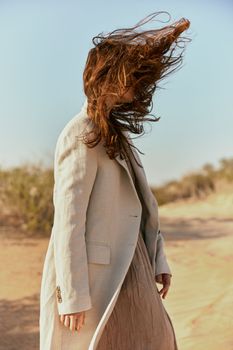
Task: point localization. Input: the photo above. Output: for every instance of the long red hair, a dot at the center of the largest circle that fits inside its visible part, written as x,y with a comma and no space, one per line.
126,58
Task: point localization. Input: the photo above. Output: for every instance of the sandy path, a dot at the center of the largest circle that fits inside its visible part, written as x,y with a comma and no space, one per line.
21,264
200,299
201,294
199,241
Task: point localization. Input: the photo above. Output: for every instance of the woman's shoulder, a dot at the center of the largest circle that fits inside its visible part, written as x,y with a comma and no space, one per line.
75,127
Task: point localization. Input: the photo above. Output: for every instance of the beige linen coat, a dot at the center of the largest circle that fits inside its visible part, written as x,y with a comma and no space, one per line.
97,214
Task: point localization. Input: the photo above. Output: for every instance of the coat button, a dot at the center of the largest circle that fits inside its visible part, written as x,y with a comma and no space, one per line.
58,293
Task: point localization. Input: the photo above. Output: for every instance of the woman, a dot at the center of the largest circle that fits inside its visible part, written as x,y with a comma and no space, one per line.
106,251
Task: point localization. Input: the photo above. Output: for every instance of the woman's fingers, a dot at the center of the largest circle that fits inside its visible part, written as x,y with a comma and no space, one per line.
82,318
163,291
62,318
67,321
80,322
166,280
73,321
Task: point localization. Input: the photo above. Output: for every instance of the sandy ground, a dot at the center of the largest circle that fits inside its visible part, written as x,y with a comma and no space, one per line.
199,248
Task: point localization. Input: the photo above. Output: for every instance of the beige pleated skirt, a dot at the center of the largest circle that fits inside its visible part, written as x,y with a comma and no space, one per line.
139,319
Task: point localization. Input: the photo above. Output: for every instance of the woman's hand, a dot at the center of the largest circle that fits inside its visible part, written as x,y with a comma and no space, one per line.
165,280
73,321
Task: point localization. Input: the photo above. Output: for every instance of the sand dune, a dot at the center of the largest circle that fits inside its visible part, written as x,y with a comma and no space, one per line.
199,246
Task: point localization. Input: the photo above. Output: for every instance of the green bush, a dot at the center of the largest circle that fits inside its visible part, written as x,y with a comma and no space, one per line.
27,191
195,185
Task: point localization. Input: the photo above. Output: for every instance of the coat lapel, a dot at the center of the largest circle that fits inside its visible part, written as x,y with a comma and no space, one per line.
123,163
138,171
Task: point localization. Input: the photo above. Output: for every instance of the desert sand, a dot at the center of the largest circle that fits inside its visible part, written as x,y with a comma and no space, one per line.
199,247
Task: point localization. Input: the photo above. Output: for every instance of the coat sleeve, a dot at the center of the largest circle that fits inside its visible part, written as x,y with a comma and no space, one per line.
75,169
161,265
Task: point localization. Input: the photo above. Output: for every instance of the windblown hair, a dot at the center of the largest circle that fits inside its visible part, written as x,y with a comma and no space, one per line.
122,59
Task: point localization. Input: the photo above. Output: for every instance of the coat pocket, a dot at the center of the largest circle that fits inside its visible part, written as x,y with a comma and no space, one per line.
98,252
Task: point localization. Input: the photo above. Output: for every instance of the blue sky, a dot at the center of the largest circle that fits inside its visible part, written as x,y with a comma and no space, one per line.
44,45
